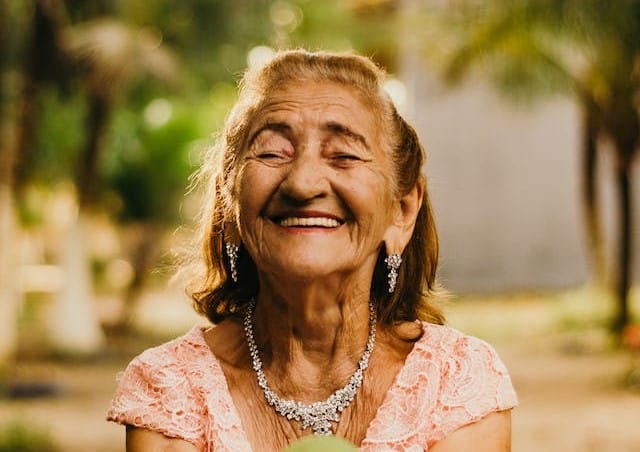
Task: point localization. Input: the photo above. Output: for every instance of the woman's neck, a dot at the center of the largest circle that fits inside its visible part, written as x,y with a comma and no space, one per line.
311,338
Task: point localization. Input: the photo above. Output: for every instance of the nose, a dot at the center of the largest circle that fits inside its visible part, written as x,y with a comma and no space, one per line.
305,179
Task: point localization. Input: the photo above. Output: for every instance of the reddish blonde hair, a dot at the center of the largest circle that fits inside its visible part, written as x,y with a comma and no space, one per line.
213,292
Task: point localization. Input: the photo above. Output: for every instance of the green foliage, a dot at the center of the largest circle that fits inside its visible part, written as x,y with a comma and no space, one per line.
22,437
538,47
149,160
508,44
144,168
212,37
335,25
59,136
211,40
56,147
147,166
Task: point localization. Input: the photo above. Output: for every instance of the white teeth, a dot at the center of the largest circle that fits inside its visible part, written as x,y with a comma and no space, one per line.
323,222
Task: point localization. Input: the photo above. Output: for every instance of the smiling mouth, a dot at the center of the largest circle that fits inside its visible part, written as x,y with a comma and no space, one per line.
308,222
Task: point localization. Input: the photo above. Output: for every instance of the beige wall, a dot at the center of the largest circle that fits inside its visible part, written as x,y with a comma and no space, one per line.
505,185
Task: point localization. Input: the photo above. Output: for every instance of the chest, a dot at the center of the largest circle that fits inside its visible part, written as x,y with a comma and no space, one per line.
265,429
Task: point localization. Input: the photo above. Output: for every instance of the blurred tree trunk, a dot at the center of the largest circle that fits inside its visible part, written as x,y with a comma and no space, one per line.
77,300
146,248
590,131
106,75
624,129
43,64
623,280
9,289
626,145
9,250
98,116
75,327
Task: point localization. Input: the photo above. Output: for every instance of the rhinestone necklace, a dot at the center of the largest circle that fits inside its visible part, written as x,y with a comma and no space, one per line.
317,415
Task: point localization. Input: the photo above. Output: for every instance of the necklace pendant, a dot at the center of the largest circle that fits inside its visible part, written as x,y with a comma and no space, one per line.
322,427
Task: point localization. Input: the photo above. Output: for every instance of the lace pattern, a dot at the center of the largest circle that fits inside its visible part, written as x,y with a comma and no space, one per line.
449,380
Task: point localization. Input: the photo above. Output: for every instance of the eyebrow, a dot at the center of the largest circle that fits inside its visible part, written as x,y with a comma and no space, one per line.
340,129
280,127
331,126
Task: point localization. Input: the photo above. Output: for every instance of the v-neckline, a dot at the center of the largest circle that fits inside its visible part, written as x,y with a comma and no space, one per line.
219,377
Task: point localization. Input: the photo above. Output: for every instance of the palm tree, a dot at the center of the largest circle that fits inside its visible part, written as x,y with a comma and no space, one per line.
587,49
111,56
19,120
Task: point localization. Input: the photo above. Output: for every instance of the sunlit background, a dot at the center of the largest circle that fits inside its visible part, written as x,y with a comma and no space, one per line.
529,112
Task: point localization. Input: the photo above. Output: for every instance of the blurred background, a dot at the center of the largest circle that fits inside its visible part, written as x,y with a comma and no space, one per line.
530,114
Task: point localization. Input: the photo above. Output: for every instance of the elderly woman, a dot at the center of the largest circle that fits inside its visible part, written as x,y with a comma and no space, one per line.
320,256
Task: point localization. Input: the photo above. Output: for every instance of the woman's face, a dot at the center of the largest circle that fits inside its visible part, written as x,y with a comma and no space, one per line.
314,186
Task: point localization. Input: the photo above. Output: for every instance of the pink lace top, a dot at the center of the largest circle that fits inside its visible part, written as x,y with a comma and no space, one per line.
449,380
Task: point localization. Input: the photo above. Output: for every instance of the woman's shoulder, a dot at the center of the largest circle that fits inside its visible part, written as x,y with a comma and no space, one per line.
184,362
170,371
456,359
162,389
446,341
441,332
471,380
467,365
449,379
178,352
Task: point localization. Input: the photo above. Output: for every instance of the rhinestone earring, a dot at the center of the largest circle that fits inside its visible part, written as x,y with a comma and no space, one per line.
393,262
232,252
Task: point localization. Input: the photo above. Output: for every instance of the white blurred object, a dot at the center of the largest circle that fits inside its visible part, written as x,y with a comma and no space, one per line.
397,91
259,56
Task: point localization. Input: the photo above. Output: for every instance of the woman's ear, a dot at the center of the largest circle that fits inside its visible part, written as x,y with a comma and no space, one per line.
404,219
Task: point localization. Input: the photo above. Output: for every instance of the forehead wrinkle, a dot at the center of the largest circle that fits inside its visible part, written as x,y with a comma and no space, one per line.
326,111
270,117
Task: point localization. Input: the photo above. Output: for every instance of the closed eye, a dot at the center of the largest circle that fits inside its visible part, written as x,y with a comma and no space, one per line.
272,147
346,157
270,155
273,158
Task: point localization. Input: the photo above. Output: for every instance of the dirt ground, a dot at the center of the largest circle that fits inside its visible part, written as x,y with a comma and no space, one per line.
570,386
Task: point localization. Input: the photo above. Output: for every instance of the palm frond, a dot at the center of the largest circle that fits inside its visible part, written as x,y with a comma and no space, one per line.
114,53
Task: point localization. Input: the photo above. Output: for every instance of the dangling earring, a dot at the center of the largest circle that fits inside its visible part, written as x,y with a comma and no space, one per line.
232,252
393,262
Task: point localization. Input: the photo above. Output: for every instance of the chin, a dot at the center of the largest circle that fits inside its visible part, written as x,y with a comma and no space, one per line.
308,268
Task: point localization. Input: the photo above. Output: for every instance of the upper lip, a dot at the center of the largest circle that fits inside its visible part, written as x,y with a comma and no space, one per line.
304,214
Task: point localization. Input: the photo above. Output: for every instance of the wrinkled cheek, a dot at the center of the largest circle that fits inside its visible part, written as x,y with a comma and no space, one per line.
251,234
247,214
364,237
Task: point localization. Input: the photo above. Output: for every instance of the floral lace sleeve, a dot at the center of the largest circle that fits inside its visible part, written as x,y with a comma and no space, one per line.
474,383
448,381
154,392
